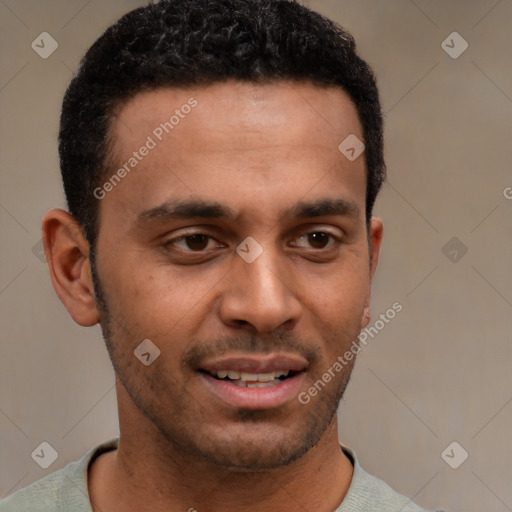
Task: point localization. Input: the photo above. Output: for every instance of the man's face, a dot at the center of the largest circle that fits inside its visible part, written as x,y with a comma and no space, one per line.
238,245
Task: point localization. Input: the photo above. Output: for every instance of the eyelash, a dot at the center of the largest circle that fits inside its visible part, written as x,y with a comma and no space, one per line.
336,240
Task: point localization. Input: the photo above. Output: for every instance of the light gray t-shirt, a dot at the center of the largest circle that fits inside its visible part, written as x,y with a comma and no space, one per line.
65,490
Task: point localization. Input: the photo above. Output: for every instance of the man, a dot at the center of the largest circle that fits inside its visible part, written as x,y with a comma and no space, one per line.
221,160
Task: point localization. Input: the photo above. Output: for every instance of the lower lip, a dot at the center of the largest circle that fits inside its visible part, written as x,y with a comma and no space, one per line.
255,398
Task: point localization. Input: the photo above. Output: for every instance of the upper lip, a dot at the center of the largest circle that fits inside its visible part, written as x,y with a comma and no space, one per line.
255,363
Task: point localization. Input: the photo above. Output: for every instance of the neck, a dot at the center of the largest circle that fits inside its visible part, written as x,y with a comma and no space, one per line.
148,469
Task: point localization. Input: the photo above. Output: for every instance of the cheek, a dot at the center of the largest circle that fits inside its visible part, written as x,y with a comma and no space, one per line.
343,290
157,304
149,300
339,303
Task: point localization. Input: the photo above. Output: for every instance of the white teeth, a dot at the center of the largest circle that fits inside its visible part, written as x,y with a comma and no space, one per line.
266,377
257,377
252,377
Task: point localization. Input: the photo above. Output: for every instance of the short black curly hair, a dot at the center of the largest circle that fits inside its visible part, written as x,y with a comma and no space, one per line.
200,42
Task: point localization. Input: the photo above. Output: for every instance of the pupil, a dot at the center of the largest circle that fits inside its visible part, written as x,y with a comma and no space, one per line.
196,242
316,239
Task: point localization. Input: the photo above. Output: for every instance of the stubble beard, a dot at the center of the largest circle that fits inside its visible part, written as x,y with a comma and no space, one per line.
179,436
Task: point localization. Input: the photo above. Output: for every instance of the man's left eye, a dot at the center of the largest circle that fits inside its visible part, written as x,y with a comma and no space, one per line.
318,239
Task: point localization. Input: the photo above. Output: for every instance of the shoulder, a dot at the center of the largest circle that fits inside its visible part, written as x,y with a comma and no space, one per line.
48,494
371,494
60,491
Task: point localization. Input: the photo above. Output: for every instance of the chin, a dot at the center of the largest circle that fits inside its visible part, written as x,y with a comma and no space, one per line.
251,446
244,456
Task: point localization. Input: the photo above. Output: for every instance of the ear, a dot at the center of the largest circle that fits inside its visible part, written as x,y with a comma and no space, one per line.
67,254
375,241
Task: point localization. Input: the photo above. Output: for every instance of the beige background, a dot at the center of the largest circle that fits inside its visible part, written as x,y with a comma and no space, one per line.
438,372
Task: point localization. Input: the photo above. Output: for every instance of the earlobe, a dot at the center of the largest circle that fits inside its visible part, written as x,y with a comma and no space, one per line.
67,254
365,317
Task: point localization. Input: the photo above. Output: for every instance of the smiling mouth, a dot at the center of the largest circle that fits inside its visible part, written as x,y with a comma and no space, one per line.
252,380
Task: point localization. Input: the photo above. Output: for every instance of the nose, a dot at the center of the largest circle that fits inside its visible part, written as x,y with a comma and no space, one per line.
260,296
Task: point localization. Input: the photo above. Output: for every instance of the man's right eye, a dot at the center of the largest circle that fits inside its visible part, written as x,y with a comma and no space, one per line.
194,242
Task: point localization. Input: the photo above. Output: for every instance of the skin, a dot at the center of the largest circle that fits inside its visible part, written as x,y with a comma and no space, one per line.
260,150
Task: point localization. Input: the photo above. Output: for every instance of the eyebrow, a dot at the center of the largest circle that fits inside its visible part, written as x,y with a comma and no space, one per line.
324,207
200,209
187,209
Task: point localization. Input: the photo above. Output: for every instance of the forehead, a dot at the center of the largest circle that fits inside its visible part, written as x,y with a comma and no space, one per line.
249,113
219,141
